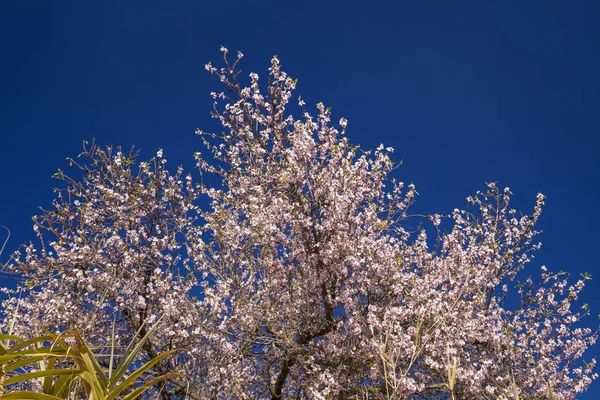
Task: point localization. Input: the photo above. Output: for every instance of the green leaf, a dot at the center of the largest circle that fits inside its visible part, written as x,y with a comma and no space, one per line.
40,374
130,355
136,393
4,336
21,395
139,372
25,343
25,361
29,356
63,385
94,388
92,360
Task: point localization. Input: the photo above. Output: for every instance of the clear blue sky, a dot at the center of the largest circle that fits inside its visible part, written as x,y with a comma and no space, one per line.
467,92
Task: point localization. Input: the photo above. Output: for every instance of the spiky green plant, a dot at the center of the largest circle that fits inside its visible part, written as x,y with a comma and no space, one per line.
83,374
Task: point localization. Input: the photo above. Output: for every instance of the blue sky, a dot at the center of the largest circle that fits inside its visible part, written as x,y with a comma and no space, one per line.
466,92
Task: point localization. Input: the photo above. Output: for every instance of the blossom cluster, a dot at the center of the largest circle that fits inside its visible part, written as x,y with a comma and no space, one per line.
301,277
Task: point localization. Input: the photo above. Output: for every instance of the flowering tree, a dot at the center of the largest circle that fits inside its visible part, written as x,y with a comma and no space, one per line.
310,283
111,259
321,292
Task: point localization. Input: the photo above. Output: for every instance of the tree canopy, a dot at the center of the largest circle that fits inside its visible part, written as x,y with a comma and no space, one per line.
303,275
